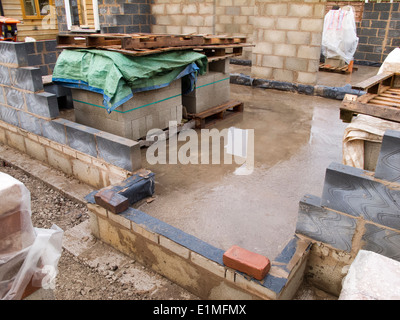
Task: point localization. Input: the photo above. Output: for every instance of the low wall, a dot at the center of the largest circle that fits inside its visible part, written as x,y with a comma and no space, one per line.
30,122
192,263
358,210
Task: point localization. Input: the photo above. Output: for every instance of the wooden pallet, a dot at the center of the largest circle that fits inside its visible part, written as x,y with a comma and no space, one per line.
347,69
218,112
139,41
382,99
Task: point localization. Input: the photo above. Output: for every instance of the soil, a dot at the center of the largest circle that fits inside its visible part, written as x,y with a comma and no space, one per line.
77,280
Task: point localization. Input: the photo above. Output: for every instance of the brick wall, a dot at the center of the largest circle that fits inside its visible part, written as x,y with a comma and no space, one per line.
378,32
288,40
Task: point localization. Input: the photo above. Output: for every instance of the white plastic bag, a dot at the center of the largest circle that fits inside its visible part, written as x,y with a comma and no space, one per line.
26,253
339,36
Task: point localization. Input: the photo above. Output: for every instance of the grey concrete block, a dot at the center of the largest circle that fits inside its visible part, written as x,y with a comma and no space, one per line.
325,225
43,104
13,54
119,151
212,89
27,78
221,66
30,123
356,192
5,77
146,110
54,130
9,115
15,98
388,165
81,138
381,240
2,96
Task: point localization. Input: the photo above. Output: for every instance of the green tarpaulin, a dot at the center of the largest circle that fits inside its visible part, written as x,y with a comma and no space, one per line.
118,76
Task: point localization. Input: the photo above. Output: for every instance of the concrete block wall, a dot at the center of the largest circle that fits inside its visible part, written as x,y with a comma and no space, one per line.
43,55
358,210
287,35
233,17
30,122
193,263
378,32
212,89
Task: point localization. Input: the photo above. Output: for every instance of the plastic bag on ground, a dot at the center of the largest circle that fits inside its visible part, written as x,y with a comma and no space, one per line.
27,254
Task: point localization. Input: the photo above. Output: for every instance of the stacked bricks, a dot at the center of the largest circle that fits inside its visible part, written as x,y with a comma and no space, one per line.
287,36
129,16
212,89
378,32
147,110
358,210
29,122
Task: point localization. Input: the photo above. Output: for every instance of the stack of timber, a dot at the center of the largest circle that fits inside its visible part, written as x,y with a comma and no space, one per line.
382,98
140,44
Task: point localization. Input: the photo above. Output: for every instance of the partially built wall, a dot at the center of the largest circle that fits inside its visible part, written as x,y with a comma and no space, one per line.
30,122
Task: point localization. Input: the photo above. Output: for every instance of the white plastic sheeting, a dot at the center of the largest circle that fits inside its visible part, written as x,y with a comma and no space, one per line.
27,254
339,36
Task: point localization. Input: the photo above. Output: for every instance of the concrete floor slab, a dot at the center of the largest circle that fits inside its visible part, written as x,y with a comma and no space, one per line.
295,136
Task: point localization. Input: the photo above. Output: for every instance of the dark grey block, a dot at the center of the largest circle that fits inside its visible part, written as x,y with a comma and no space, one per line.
54,131
129,8
43,104
27,78
117,150
325,225
13,53
15,98
5,75
81,138
9,115
30,123
2,97
388,165
381,240
356,192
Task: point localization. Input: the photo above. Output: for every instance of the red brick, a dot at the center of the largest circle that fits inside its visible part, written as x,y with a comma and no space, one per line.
248,262
111,200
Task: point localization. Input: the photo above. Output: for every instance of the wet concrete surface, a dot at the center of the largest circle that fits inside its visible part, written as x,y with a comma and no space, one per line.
295,138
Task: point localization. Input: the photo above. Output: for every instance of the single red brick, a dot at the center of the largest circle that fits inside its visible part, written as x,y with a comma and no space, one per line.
248,262
111,200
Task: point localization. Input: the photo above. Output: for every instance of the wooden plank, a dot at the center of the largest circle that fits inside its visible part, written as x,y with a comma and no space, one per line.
385,101
375,110
372,81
